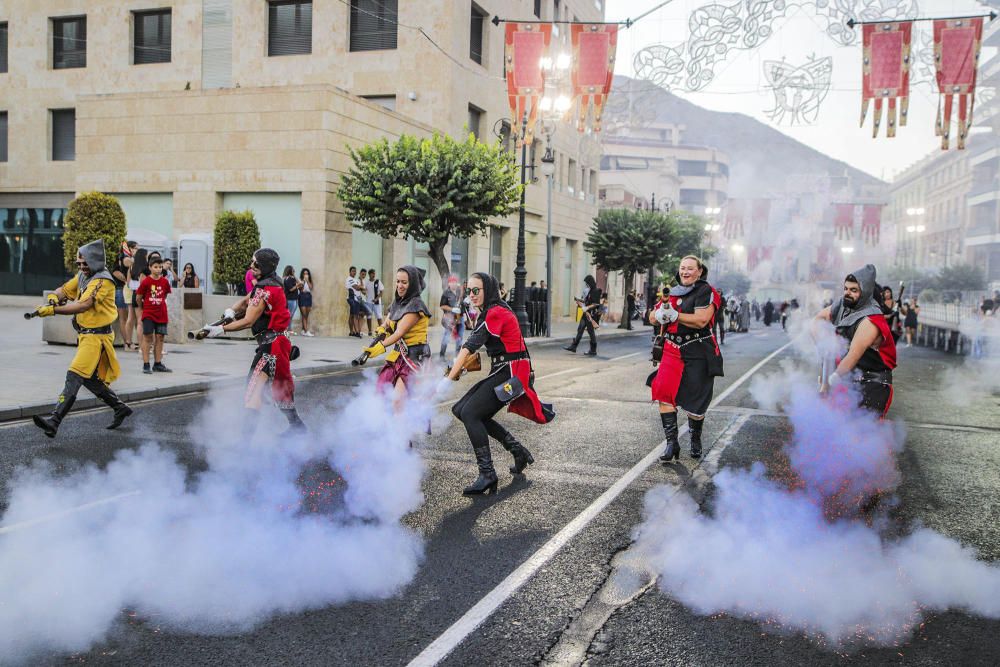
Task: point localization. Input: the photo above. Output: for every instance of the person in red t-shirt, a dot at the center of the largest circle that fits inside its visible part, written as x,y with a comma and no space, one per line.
152,296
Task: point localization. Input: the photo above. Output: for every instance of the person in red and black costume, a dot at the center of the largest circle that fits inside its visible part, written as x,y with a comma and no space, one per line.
509,383
265,312
871,352
691,358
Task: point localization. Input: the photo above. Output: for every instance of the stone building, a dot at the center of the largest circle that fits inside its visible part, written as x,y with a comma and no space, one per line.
184,108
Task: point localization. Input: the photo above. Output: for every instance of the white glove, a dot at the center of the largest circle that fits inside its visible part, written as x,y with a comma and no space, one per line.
214,331
444,386
230,314
834,380
456,311
666,315
467,301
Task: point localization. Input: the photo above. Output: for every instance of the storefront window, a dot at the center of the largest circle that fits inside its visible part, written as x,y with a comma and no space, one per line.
31,250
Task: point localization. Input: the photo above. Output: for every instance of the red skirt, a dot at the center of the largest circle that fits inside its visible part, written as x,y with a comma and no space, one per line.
400,369
683,383
528,405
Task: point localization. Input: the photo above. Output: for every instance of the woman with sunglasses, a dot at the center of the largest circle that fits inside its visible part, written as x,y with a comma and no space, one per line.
405,328
508,384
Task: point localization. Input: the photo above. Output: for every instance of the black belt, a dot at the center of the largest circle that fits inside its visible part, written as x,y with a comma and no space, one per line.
507,357
269,336
100,331
882,377
679,340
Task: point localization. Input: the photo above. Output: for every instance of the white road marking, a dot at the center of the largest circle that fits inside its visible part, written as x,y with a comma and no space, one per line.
439,649
59,515
626,356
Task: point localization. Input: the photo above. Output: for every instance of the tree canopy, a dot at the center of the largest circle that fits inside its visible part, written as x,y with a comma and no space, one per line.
429,189
734,283
92,216
235,240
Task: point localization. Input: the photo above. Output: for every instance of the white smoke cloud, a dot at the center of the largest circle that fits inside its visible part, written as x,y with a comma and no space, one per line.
979,372
793,551
224,549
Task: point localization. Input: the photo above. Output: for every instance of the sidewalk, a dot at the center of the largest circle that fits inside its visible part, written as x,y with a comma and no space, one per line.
37,369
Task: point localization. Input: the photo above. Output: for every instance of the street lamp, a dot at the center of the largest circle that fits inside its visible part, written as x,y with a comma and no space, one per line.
519,269
549,171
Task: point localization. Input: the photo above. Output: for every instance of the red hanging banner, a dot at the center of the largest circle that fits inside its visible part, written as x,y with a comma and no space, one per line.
871,223
843,221
956,55
525,44
735,212
593,68
760,214
886,72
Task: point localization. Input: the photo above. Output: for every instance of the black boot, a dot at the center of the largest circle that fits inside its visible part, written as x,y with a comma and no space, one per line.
571,347
110,398
522,457
295,424
695,426
673,448
487,480
67,398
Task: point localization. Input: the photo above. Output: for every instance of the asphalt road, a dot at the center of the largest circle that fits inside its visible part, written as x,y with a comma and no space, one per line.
604,428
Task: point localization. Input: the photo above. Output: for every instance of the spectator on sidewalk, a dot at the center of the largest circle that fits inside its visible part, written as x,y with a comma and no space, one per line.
152,294
305,299
190,279
136,273
374,291
366,309
123,293
168,272
910,311
452,320
353,305
291,286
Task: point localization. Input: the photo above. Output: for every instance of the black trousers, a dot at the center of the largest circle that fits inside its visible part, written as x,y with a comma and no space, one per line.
875,397
585,325
478,407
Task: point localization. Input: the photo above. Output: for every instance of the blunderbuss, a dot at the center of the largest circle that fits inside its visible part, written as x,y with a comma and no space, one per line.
364,355
472,363
202,333
34,313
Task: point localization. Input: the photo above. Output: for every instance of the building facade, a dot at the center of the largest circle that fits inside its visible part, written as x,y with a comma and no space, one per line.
929,208
184,108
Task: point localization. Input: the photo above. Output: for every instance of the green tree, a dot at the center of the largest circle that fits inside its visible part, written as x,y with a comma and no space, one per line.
429,190
92,216
235,240
687,238
630,240
952,280
732,283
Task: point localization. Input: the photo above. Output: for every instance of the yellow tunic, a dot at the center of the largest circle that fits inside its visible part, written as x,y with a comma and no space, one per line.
95,352
415,335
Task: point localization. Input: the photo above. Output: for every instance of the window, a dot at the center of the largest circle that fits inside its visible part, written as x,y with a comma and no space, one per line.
476,26
3,48
571,176
538,9
373,24
496,252
692,168
386,101
475,119
3,136
289,27
69,42
151,37
694,198
64,134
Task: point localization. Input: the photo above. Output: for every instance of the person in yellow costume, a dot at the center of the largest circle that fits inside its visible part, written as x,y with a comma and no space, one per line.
404,328
90,299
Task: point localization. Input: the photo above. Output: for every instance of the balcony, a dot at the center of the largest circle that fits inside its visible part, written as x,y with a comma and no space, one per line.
991,31
984,192
990,72
984,113
983,147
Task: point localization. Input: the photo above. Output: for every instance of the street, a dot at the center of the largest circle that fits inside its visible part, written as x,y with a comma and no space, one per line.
536,557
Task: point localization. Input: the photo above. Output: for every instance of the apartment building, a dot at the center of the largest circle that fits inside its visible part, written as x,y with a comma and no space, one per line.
184,108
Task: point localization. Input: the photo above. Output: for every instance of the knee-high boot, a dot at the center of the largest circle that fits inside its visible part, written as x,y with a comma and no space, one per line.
673,448
695,425
522,457
295,423
110,398
487,480
50,424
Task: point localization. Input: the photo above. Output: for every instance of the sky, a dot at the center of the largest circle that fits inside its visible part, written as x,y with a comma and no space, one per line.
798,36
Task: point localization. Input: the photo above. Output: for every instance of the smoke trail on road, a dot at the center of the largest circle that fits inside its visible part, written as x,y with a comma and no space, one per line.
221,550
788,547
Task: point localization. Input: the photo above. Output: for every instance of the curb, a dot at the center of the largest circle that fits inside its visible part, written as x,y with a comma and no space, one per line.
8,414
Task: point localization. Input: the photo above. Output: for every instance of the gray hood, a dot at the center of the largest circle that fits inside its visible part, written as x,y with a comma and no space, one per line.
842,316
93,255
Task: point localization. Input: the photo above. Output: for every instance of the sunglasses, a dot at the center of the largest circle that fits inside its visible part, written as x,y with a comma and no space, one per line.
474,291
